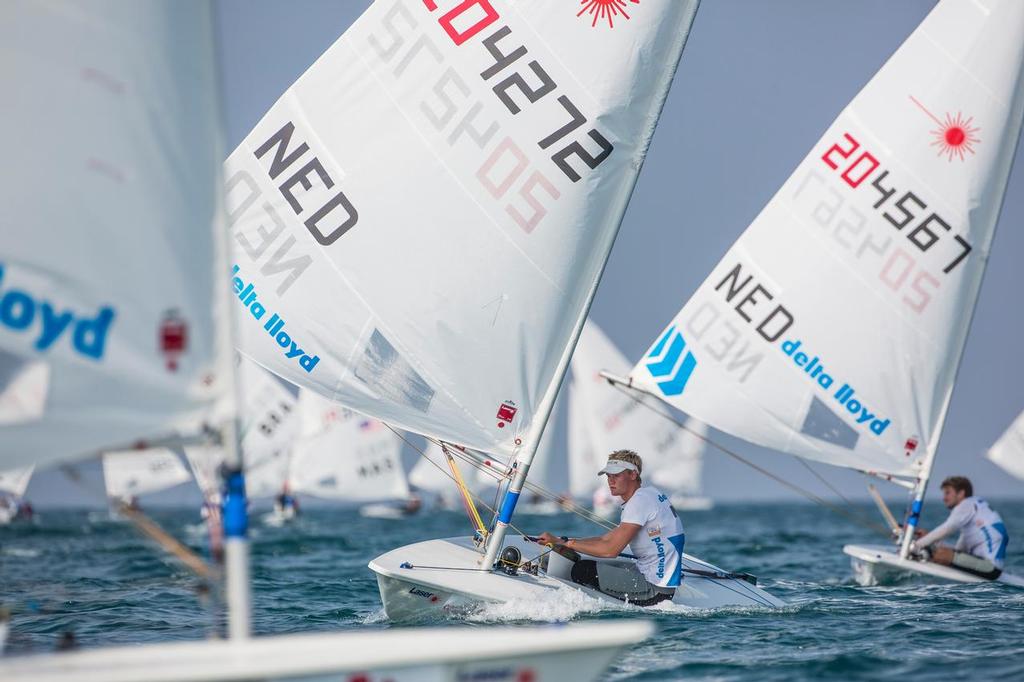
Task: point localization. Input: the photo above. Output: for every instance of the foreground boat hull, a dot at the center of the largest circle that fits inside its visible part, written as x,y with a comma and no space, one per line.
878,564
438,576
578,651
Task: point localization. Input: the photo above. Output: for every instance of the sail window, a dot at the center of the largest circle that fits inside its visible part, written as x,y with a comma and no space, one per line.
824,424
382,369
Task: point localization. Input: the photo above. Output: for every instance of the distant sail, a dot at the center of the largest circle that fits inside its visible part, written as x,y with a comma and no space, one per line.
1008,451
345,456
834,326
605,419
132,474
422,218
269,424
112,238
15,481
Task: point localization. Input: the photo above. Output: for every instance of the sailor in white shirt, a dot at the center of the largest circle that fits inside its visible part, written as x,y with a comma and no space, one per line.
981,547
649,526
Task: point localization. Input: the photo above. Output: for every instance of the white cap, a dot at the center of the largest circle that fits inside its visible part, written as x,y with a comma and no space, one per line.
617,466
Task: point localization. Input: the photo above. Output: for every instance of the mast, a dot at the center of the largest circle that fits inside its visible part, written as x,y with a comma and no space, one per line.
236,542
536,431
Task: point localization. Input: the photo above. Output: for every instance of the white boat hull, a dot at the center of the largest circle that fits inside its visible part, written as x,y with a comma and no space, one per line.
879,564
580,651
384,511
439,576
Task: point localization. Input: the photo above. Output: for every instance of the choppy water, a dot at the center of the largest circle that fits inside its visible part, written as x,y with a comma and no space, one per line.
80,572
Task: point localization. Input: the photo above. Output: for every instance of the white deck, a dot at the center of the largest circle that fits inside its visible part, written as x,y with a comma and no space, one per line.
578,651
874,563
443,576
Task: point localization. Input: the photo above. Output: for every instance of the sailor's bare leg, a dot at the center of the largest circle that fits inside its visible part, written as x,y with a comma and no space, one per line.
942,555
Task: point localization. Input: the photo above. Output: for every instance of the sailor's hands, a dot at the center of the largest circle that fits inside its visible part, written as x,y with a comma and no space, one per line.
548,539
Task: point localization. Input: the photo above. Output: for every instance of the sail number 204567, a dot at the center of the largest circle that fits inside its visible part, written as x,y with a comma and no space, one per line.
905,210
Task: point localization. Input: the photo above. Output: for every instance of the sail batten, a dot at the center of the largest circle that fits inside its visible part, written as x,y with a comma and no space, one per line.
834,327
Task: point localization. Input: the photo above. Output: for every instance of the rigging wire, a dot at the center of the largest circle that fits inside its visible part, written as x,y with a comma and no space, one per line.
848,515
465,456
821,478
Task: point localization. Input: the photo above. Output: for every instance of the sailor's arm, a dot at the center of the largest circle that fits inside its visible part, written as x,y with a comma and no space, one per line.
609,545
958,518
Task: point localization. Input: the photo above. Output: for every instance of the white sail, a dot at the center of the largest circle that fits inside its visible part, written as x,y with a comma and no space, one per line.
15,481
422,218
130,474
270,424
606,419
205,461
343,455
834,326
1008,451
115,126
584,459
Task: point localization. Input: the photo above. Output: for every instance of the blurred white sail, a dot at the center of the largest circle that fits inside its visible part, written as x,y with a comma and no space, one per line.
604,419
1008,451
345,456
112,244
15,481
834,326
131,474
269,424
423,217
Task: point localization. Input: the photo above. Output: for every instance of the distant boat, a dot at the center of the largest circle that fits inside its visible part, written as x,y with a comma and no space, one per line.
1008,451
343,456
128,475
13,505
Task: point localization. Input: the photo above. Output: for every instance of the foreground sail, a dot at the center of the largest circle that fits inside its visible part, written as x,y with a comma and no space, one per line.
1008,451
834,327
109,326
604,420
421,220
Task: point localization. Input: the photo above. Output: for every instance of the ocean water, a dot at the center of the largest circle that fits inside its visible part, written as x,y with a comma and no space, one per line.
80,572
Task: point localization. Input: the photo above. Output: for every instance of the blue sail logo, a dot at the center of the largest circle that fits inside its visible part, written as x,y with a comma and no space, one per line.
665,362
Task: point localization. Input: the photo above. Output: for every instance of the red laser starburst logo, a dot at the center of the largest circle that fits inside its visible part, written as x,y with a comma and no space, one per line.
954,136
605,10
